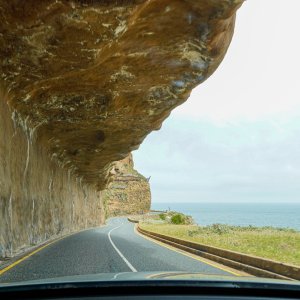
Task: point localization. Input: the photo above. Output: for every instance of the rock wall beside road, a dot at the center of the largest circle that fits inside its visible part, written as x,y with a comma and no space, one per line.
38,198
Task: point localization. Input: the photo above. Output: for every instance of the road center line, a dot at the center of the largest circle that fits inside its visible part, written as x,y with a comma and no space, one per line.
131,267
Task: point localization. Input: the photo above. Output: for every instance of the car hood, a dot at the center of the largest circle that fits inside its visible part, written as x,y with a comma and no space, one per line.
149,277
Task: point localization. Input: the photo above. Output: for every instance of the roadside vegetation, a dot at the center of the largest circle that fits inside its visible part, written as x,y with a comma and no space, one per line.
280,244
173,217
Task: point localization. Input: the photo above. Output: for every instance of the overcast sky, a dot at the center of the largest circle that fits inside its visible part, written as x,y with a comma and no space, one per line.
237,138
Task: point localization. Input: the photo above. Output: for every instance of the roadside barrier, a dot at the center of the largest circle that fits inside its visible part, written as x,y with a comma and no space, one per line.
254,265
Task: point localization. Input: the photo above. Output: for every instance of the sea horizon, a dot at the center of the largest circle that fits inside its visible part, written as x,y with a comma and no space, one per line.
279,214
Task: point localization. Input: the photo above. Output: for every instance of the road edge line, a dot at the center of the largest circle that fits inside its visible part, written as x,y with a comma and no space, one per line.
4,270
131,267
195,257
46,244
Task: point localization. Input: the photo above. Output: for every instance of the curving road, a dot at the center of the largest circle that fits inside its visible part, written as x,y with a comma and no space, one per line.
113,248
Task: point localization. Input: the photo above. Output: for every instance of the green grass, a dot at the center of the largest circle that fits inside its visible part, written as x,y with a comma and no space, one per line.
278,244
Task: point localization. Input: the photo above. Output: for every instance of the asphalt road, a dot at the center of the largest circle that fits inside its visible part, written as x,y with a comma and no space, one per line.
113,248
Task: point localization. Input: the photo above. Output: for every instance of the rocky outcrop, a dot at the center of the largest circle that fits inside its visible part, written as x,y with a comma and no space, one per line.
82,83
129,192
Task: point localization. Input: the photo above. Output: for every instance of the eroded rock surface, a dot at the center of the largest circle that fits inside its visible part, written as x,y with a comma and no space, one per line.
83,83
94,79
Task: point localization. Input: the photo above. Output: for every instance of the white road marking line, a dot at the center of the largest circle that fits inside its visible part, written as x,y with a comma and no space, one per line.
131,267
115,277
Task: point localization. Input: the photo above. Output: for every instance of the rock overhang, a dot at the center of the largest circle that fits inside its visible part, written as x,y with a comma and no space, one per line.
90,79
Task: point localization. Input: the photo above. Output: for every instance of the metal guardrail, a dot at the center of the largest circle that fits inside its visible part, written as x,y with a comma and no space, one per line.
251,264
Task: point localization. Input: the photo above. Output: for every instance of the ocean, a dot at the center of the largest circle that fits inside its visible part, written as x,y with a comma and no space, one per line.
283,215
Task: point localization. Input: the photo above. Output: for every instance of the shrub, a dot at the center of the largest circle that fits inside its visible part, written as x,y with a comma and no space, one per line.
162,217
177,219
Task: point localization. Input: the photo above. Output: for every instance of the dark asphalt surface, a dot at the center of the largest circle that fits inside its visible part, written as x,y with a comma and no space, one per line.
113,248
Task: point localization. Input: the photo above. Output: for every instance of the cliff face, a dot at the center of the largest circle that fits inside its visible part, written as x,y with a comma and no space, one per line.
82,83
38,199
129,192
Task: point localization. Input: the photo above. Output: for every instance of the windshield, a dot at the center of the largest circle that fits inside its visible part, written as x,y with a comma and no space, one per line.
106,172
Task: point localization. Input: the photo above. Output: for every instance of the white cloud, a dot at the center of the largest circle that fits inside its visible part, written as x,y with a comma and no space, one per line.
259,76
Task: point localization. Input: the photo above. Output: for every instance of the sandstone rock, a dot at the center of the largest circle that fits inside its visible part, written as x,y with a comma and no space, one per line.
82,83
94,78
128,193
38,199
